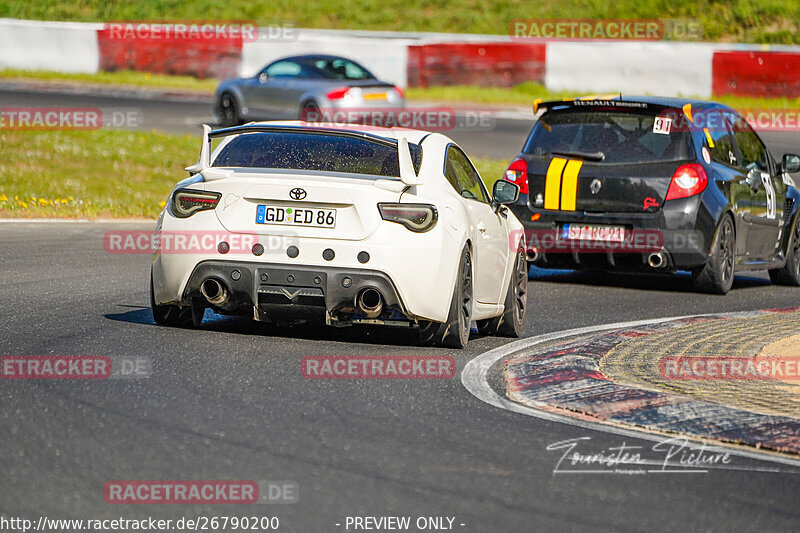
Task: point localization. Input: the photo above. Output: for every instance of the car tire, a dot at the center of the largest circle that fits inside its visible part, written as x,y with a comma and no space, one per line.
455,332
171,315
512,321
310,107
790,273
716,277
228,110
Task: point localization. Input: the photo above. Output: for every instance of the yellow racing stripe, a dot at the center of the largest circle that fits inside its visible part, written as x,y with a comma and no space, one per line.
708,138
569,185
552,184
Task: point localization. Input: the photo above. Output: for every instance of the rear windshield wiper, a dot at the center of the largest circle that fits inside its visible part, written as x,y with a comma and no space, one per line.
591,156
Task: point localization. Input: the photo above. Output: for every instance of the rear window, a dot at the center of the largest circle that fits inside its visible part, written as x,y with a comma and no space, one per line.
622,137
314,151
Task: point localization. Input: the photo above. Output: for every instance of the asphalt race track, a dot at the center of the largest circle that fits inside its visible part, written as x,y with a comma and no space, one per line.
228,401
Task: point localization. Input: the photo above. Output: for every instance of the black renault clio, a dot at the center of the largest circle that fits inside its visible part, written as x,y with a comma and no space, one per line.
646,183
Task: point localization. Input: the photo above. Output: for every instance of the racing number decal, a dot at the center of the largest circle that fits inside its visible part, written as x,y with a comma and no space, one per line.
770,190
561,184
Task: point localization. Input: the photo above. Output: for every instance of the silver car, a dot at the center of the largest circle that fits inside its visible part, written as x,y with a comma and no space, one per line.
303,86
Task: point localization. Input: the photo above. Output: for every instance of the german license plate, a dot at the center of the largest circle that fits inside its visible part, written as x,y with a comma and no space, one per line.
374,96
592,232
296,216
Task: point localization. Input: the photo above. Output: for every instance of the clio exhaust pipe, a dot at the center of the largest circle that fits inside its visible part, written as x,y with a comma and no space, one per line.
657,259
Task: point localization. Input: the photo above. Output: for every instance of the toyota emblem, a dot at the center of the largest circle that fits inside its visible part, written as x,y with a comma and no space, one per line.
297,193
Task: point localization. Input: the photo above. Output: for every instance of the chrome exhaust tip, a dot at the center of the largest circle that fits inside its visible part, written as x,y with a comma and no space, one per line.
532,254
370,303
214,291
657,260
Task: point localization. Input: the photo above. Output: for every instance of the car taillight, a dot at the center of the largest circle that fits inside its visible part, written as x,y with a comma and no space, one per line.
517,172
418,218
338,94
186,202
688,180
399,91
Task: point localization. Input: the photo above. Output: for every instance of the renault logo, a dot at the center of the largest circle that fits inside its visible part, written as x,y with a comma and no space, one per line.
297,193
595,186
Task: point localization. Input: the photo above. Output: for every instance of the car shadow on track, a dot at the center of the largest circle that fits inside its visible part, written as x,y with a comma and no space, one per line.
386,335
680,282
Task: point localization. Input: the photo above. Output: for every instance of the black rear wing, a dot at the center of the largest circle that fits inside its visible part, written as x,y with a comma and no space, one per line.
606,100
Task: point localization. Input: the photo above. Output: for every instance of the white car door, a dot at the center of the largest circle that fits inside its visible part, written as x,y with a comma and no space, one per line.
489,233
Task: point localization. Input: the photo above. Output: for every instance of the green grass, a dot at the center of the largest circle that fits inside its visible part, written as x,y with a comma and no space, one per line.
125,78
524,94
759,21
490,170
104,174
90,174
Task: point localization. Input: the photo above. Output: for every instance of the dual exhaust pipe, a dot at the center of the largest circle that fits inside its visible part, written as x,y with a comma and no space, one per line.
654,260
369,301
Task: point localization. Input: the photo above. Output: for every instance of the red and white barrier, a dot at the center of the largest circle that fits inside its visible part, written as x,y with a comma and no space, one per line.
643,67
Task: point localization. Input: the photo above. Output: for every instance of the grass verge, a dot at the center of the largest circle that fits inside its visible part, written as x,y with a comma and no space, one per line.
760,21
125,78
90,174
105,173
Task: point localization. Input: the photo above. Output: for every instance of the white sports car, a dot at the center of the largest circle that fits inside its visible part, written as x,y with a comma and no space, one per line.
341,225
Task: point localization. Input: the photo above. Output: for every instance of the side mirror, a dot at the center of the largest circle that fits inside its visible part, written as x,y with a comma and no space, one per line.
263,77
791,163
504,192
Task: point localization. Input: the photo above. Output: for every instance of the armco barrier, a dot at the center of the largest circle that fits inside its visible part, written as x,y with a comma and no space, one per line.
485,64
423,59
56,46
663,68
756,73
